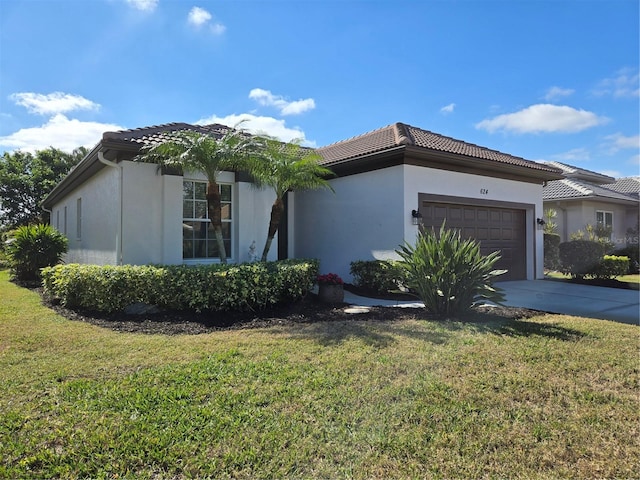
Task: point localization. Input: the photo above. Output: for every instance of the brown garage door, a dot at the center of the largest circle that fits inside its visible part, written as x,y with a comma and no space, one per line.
500,229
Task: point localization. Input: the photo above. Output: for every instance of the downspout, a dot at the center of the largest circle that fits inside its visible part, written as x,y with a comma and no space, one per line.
111,164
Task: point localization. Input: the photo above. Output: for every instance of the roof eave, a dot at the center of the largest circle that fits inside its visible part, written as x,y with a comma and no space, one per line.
84,170
601,198
479,166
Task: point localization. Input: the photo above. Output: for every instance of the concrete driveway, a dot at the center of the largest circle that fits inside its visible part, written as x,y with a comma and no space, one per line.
574,299
551,296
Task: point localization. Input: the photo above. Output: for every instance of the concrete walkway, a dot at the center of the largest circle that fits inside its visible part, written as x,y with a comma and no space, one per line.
550,296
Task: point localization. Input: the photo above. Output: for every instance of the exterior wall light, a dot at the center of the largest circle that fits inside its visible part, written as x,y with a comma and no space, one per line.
541,223
416,217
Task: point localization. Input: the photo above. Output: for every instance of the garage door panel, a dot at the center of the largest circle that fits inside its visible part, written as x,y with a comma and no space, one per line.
455,214
469,214
497,229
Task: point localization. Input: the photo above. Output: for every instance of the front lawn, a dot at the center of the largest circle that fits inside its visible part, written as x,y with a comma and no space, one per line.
546,397
627,281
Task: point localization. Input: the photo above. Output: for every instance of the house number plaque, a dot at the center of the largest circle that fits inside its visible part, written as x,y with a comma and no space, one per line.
484,191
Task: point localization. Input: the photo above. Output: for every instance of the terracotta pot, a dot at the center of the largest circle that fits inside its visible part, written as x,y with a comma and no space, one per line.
331,293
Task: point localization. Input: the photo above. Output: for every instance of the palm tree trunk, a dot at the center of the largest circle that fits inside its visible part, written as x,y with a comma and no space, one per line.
215,215
274,223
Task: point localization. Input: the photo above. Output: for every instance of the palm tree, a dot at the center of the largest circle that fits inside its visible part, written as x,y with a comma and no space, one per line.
285,167
194,151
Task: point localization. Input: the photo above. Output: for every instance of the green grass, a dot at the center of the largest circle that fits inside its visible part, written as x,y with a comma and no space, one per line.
548,397
633,279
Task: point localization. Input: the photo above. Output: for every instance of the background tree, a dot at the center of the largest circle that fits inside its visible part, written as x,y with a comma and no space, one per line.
25,179
285,167
199,152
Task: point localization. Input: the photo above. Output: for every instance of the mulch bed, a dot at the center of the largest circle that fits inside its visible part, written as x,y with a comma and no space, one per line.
308,310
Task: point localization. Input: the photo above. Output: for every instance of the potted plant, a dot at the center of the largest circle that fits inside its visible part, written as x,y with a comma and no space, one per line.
330,288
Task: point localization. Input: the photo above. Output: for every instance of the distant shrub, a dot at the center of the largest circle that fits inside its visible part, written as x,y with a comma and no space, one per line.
633,253
552,251
610,266
580,257
33,247
449,274
379,276
251,286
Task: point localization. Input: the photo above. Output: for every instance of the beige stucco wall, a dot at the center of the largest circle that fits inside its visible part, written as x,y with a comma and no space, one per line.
577,214
369,216
99,233
132,214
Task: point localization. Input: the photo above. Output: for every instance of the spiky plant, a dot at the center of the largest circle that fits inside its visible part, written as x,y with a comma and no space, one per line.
33,247
448,273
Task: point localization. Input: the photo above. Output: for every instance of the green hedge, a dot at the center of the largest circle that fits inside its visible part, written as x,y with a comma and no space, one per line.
251,286
552,251
633,252
379,276
610,266
580,257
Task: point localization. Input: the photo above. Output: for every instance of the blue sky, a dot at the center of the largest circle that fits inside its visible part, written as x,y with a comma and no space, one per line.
544,80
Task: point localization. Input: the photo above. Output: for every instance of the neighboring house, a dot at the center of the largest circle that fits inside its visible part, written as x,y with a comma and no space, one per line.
118,211
586,198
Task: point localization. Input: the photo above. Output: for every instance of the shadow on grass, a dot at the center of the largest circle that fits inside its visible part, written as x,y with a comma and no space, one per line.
383,333
522,327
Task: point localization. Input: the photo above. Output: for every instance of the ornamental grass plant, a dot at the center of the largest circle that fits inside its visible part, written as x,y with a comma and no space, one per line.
449,274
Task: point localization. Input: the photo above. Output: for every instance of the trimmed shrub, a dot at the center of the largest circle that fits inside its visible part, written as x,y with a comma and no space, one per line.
449,274
552,251
379,276
580,257
633,253
610,266
33,247
251,286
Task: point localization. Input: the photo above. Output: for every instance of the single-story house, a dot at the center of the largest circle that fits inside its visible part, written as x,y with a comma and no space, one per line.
584,198
117,211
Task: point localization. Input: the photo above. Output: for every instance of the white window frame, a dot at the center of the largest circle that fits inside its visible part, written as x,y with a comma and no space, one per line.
188,221
604,223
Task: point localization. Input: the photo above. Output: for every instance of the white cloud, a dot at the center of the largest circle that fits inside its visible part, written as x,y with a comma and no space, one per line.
557,92
266,98
59,132
52,103
625,83
143,5
199,17
573,155
543,118
635,160
257,124
448,108
617,142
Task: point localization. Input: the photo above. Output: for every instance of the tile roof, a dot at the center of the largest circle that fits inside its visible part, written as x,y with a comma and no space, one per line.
574,188
157,133
572,171
628,185
399,135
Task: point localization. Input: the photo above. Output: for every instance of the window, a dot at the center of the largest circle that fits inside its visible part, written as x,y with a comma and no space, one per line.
65,221
79,219
198,239
604,223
